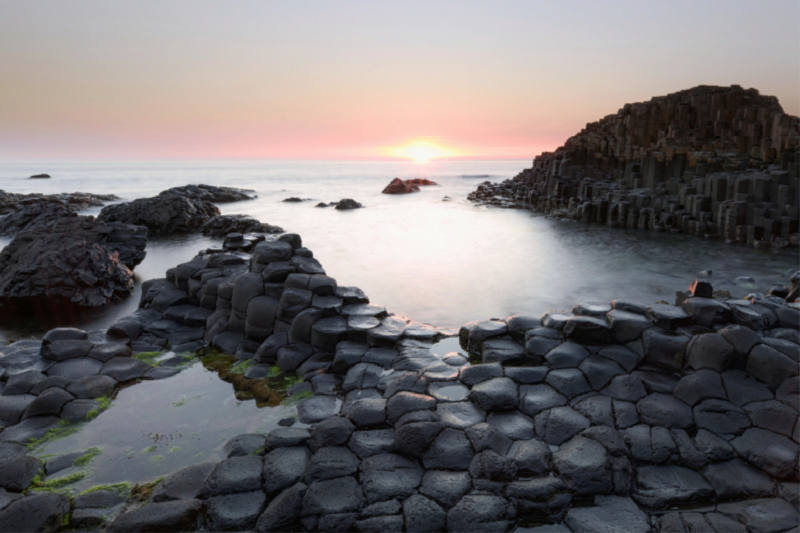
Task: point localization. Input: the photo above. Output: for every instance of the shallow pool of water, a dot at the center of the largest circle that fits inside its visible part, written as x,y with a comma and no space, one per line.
153,428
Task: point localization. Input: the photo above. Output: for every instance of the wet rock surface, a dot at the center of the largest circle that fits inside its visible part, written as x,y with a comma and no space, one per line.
76,259
594,433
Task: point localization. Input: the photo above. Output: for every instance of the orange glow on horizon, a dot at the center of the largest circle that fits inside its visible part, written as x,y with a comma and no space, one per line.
422,151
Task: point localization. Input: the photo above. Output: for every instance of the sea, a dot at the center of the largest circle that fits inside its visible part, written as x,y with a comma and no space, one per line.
432,256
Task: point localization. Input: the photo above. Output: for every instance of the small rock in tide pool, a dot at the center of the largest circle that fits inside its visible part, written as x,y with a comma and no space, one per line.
286,422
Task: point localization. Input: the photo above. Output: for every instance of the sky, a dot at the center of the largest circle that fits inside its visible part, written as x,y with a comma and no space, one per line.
352,79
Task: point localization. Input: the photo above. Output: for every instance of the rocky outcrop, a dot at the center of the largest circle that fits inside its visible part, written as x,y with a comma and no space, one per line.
710,161
85,261
398,186
221,225
33,215
209,193
347,203
162,214
602,418
76,201
40,177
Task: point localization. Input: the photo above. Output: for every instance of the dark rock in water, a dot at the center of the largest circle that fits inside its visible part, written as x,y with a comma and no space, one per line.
420,182
162,214
183,484
347,203
398,186
75,201
33,216
37,512
16,473
39,176
209,193
295,199
180,515
224,224
77,259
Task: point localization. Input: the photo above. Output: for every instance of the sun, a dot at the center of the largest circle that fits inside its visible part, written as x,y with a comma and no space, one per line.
422,151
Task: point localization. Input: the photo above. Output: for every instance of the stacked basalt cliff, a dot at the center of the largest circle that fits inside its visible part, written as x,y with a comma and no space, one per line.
709,161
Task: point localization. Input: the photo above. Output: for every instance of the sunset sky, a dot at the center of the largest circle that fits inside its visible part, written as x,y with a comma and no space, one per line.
362,79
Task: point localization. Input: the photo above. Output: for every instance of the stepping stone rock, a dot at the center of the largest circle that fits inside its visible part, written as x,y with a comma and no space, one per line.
286,437
237,474
183,484
283,511
566,355
459,415
663,348
768,514
735,479
16,473
92,387
246,444
484,436
12,407
773,415
710,351
568,381
599,371
317,409
588,330
531,456
234,512
475,374
770,366
330,462
661,486
368,443
77,368
699,386
611,514
743,388
537,398
625,387
283,467
405,402
176,515
514,425
36,512
445,487
772,453
583,465
665,411
721,417
476,513
450,451
50,402
423,515
387,476
559,424
124,368
626,326
496,394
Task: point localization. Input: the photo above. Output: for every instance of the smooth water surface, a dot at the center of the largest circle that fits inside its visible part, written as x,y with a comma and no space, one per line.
155,427
440,262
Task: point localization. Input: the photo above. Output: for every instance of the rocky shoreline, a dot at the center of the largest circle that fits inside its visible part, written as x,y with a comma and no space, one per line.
714,162
618,416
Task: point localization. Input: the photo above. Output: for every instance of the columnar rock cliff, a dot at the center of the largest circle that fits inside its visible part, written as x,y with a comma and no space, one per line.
710,161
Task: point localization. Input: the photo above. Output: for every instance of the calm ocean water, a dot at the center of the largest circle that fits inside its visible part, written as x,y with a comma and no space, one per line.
441,262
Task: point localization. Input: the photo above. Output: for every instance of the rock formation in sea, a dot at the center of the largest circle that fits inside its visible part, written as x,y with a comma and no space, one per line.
221,225
39,177
210,193
162,214
11,202
616,416
709,161
398,186
75,258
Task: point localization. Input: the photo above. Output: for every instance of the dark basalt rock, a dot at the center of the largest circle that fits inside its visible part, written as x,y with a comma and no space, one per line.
210,193
36,512
33,216
347,203
39,177
162,214
79,260
179,515
221,225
